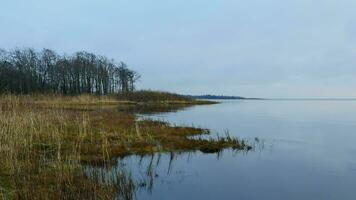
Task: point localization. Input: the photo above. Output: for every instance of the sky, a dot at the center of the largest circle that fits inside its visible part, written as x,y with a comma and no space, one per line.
254,48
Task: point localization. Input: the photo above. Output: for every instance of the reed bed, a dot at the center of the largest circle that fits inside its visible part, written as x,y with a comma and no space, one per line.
44,146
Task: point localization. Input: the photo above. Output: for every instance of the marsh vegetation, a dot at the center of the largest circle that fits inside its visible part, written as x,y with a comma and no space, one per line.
47,142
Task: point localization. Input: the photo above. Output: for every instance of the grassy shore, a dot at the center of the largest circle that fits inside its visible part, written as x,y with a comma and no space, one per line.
46,140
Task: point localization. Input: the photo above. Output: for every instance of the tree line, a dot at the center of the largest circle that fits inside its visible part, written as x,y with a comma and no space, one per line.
26,71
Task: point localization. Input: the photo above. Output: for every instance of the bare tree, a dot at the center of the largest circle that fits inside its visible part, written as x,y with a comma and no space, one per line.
27,71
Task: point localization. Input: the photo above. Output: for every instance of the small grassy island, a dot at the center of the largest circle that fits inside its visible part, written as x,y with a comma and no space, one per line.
59,114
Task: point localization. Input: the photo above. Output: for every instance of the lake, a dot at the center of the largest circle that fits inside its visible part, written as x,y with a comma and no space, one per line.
303,149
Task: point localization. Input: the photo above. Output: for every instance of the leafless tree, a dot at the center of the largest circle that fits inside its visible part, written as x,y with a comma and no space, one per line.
26,71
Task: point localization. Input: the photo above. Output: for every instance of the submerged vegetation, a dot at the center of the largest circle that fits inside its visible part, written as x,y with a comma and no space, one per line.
46,142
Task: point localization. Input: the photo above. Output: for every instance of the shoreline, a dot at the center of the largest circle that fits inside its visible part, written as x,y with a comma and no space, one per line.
47,141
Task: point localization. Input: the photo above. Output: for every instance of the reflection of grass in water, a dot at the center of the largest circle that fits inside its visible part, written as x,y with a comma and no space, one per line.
145,171
43,144
216,145
114,177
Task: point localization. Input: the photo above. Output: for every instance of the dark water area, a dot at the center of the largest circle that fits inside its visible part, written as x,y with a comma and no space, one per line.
302,150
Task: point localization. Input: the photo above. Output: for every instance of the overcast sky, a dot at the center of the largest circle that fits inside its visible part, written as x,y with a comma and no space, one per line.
254,48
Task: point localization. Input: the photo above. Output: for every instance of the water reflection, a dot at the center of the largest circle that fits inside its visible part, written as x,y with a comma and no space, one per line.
304,150
139,174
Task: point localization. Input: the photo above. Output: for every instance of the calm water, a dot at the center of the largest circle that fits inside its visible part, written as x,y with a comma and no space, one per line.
306,150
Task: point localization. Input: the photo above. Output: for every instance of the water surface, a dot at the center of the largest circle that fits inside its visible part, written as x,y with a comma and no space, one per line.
305,150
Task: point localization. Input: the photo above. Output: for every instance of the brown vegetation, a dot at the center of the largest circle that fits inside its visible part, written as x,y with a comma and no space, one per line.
45,140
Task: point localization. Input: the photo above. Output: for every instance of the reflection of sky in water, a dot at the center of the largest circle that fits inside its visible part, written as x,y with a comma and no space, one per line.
306,151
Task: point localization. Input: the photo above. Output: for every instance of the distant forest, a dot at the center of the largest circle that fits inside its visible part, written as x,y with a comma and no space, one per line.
26,71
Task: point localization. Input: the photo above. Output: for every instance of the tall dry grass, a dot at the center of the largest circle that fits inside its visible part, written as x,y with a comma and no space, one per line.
38,161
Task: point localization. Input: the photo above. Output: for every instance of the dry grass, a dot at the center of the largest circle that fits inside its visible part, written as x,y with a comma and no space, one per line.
37,160
43,145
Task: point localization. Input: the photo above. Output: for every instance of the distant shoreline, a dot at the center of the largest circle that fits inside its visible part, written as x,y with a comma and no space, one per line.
223,97
220,97
310,99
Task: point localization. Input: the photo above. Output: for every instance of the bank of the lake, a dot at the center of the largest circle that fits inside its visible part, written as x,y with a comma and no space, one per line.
47,141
